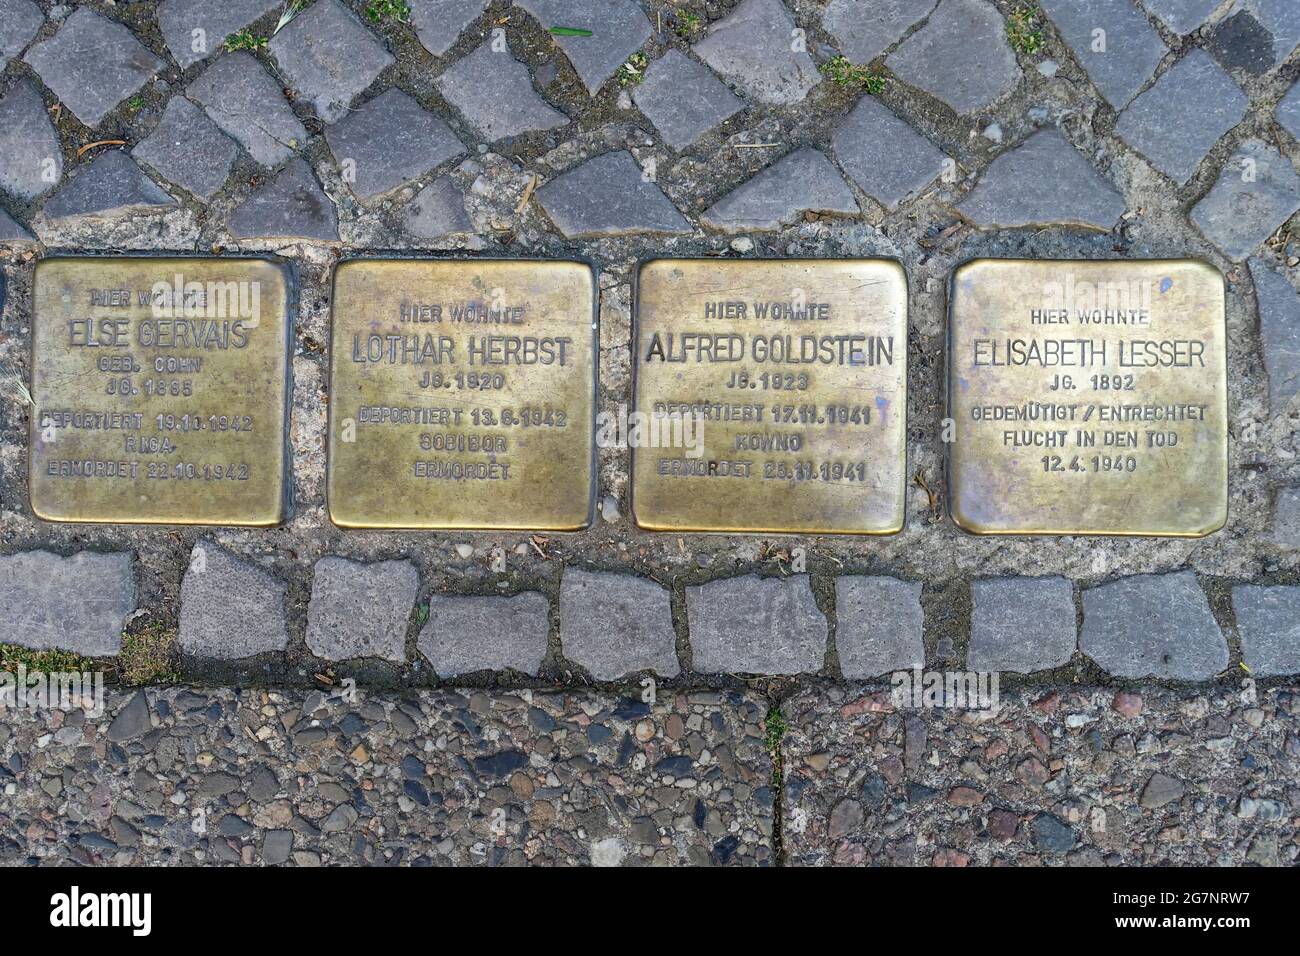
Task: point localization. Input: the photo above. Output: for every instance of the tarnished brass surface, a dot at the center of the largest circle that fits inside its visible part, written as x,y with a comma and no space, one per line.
154,405
1130,433
801,369
462,395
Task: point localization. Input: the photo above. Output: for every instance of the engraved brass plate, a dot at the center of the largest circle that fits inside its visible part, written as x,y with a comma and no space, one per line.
771,396
1088,398
462,395
161,391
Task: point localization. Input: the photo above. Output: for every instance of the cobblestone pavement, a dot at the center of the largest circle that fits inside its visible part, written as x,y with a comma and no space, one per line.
468,778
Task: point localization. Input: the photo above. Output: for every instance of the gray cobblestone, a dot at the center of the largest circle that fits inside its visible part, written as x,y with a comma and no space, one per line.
1268,620
439,23
890,161
360,610
618,29
495,95
1182,16
879,625
188,149
19,21
1256,192
1132,49
108,186
230,609
753,47
616,624
1021,624
329,57
13,231
31,159
863,31
247,103
683,99
1044,180
178,19
752,625
609,196
1279,329
390,141
292,205
468,634
1256,35
1285,532
92,64
805,181
1184,113
46,602
1153,625
437,211
961,56
1288,111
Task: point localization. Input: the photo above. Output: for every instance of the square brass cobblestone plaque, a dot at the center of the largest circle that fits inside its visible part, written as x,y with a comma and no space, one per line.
771,396
1088,398
161,391
462,395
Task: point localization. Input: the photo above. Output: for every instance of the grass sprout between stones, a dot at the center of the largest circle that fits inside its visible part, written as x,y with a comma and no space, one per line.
844,73
1022,32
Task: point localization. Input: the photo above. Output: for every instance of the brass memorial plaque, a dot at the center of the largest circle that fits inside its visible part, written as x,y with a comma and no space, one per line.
462,395
1088,398
771,396
161,391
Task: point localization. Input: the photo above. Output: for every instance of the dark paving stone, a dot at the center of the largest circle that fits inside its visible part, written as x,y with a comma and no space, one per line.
494,94
132,721
245,101
45,603
291,206
683,99
1257,191
329,57
1182,115
361,610
961,56
453,641
1042,181
437,211
12,231
31,159
1153,625
752,47
179,19
1288,111
609,196
616,624
863,31
388,142
19,21
1256,35
1021,624
188,149
1268,620
1279,331
439,23
1182,16
804,181
618,29
92,64
1132,50
751,625
111,185
880,626
230,609
888,159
